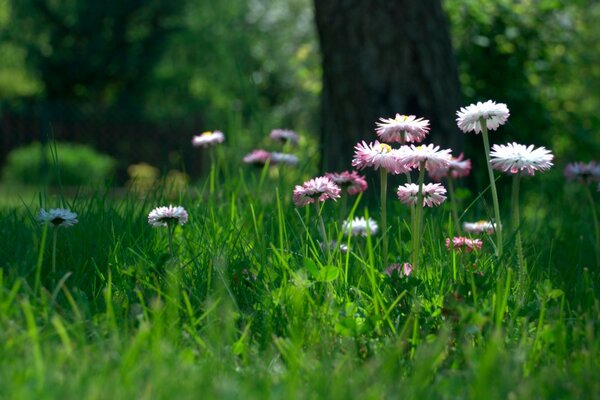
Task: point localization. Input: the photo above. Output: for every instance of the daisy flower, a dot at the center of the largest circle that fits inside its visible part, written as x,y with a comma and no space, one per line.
433,194
351,181
208,138
58,217
434,158
399,269
463,243
457,168
333,245
583,172
321,188
513,158
377,155
257,157
359,226
469,118
402,129
479,227
164,216
284,136
283,158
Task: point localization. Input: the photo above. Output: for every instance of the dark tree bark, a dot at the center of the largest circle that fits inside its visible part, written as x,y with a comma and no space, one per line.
382,57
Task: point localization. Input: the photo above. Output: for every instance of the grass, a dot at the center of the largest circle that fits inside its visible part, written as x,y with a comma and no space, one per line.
252,308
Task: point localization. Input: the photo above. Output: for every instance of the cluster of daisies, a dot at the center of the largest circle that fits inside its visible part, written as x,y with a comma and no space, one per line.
285,137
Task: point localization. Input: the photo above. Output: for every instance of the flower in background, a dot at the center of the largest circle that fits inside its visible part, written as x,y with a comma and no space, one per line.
469,118
583,172
402,129
351,181
283,158
433,194
165,216
377,155
479,227
333,245
514,157
457,168
321,188
208,138
58,217
434,158
399,269
257,157
463,243
359,226
284,136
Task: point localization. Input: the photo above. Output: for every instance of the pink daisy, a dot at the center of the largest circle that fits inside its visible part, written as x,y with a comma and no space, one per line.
399,269
457,168
284,136
463,243
433,194
583,172
514,158
257,157
378,155
433,157
321,188
208,138
351,181
402,129
163,216
469,118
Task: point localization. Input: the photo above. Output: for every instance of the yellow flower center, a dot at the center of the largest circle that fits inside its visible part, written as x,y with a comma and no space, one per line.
206,133
385,148
401,118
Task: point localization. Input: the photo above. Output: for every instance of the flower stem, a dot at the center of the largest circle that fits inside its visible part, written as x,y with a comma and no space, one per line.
596,225
170,229
322,230
498,225
383,174
516,225
453,206
418,226
54,236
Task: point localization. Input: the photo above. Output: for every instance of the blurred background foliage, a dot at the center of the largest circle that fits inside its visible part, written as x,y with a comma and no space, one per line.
247,66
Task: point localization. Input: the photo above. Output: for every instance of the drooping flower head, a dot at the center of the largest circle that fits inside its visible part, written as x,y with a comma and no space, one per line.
514,158
463,243
479,227
257,157
350,181
359,227
433,194
402,129
399,269
457,168
165,216
321,188
284,136
283,158
469,118
208,138
377,155
58,217
434,158
583,172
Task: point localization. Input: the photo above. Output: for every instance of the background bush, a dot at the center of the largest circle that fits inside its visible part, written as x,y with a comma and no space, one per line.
64,163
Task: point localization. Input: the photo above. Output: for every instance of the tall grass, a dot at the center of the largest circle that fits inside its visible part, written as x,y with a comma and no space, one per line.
253,308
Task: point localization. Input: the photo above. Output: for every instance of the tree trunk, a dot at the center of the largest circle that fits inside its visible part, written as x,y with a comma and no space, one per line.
382,57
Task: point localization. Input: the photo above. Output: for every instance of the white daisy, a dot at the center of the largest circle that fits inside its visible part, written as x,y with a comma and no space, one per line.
434,158
164,216
402,129
469,118
58,217
514,157
208,138
359,226
479,227
378,155
433,194
283,158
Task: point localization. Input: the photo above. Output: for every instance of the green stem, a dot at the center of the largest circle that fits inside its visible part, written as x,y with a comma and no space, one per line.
54,236
498,224
419,217
323,231
516,225
596,225
170,229
383,174
453,206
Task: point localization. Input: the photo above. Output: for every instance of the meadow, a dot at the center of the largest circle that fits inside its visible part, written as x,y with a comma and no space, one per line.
245,301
